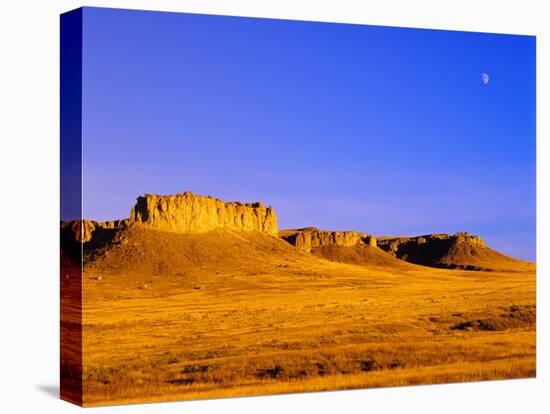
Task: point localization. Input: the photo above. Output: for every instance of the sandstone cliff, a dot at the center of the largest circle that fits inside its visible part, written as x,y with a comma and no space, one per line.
181,213
309,238
189,213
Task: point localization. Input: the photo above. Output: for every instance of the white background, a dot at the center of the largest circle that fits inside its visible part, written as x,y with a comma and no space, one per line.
29,208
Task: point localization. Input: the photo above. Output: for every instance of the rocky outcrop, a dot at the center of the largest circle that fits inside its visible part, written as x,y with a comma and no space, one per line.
113,224
309,238
189,213
471,239
461,250
82,230
404,246
180,213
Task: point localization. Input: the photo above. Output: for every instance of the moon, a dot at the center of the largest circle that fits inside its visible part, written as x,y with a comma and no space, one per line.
485,78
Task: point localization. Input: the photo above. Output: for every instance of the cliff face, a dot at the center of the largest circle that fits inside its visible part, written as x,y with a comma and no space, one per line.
310,238
188,213
181,213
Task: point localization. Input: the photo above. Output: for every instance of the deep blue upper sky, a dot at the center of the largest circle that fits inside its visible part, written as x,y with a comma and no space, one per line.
344,127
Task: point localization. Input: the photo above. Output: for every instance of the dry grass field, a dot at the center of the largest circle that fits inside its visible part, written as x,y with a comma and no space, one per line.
171,316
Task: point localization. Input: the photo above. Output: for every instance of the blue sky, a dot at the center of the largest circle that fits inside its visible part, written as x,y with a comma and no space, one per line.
344,127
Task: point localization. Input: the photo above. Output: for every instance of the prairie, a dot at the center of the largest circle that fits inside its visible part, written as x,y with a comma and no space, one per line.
226,313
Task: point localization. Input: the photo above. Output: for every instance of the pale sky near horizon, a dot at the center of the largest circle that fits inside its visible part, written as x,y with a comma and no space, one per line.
343,127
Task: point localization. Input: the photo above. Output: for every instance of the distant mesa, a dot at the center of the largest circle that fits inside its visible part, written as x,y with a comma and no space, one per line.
310,238
349,247
459,251
187,213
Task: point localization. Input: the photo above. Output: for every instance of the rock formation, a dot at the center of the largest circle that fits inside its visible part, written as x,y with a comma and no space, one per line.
309,238
189,213
408,248
82,230
458,251
180,213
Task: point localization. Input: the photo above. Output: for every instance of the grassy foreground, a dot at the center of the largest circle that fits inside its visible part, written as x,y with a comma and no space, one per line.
245,314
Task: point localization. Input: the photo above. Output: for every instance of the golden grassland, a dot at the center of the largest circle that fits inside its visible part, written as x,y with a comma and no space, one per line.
173,317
